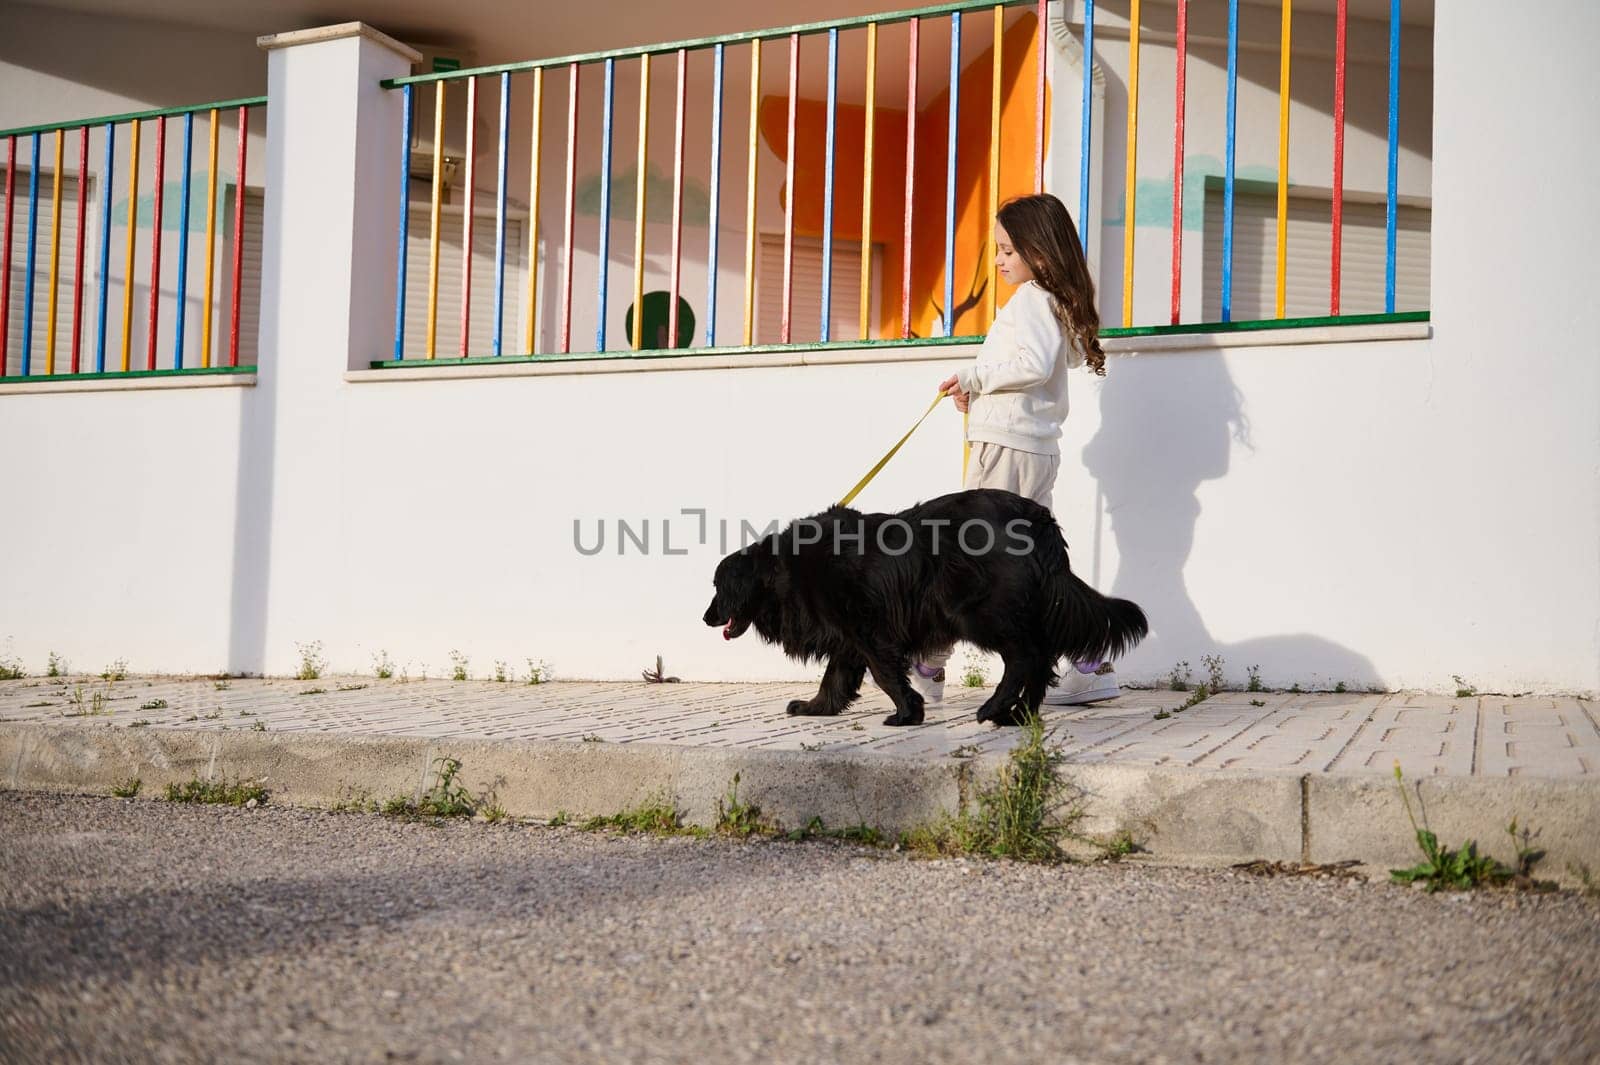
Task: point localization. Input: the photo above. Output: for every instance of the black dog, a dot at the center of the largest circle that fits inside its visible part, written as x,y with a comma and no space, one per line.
880,591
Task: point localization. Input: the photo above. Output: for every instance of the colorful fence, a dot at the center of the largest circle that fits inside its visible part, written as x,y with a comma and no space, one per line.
864,181
58,264
974,180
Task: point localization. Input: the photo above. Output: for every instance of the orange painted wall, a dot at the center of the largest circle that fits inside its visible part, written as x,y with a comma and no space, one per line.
1017,131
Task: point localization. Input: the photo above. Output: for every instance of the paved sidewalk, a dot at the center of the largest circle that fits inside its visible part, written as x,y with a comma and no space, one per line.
1429,735
1281,776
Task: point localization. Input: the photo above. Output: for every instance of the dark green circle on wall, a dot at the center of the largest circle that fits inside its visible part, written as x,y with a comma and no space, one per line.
656,314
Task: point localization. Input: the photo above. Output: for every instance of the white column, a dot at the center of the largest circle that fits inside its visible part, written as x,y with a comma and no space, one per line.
327,305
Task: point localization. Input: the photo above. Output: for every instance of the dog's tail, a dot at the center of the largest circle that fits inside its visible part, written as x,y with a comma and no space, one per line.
1084,625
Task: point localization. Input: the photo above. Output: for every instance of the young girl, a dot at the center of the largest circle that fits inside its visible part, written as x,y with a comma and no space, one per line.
1015,393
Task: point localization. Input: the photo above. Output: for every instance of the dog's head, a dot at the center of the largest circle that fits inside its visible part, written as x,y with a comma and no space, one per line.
743,588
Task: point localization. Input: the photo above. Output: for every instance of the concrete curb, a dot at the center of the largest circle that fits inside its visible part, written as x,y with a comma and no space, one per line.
1179,815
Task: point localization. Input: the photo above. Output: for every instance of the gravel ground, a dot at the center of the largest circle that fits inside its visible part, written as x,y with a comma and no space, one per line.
131,930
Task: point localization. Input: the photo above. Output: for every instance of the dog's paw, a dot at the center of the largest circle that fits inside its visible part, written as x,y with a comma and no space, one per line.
901,718
808,708
1004,715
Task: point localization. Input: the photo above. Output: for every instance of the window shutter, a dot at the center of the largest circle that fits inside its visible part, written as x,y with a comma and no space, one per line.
1309,255
447,344
805,314
41,277
222,299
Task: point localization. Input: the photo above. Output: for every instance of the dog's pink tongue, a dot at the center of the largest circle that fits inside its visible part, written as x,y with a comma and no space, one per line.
727,630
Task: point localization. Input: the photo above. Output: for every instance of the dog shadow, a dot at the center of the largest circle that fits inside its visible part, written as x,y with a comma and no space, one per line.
1169,424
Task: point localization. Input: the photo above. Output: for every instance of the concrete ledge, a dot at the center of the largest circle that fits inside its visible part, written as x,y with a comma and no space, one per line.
1195,815
1364,817
746,360
1179,815
120,383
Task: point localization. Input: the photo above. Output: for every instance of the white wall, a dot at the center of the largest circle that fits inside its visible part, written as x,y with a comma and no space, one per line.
1389,513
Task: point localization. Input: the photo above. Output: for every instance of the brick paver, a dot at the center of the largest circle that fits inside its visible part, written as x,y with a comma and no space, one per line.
1266,732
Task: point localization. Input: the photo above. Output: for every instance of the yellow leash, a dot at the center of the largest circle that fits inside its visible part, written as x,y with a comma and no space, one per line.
850,495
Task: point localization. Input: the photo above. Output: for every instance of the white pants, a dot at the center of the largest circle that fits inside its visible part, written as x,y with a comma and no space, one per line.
1023,472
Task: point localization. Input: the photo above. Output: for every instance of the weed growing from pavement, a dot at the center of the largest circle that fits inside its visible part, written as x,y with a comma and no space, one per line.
55,665
863,833
1463,689
446,798
1024,814
11,666
154,704
804,746
1178,679
218,792
738,818
500,674
1200,694
658,675
1464,869
1339,688
117,670
127,789
259,726
972,675
1118,846
538,672
1255,679
311,661
458,665
1213,664
1257,702
382,665
97,705
315,691
354,800
657,816
1586,877
220,685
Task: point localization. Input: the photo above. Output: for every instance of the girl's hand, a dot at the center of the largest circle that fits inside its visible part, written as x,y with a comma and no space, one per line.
951,386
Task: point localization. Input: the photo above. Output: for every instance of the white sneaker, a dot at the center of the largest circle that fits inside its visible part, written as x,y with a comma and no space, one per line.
929,684
1076,688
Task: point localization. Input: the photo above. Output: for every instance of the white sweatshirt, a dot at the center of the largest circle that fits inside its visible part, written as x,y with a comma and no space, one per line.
1019,381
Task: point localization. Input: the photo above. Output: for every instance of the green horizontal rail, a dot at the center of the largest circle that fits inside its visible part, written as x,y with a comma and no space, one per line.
1258,324
676,353
123,375
913,342
706,42
160,112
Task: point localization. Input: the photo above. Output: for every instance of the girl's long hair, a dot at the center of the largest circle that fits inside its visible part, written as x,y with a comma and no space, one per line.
1042,232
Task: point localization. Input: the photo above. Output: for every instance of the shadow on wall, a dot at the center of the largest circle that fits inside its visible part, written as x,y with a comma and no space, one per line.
1166,427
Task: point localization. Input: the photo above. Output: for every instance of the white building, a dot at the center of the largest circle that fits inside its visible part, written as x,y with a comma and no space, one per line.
1394,504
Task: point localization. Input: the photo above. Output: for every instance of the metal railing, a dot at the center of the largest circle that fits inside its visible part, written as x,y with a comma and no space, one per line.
46,349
